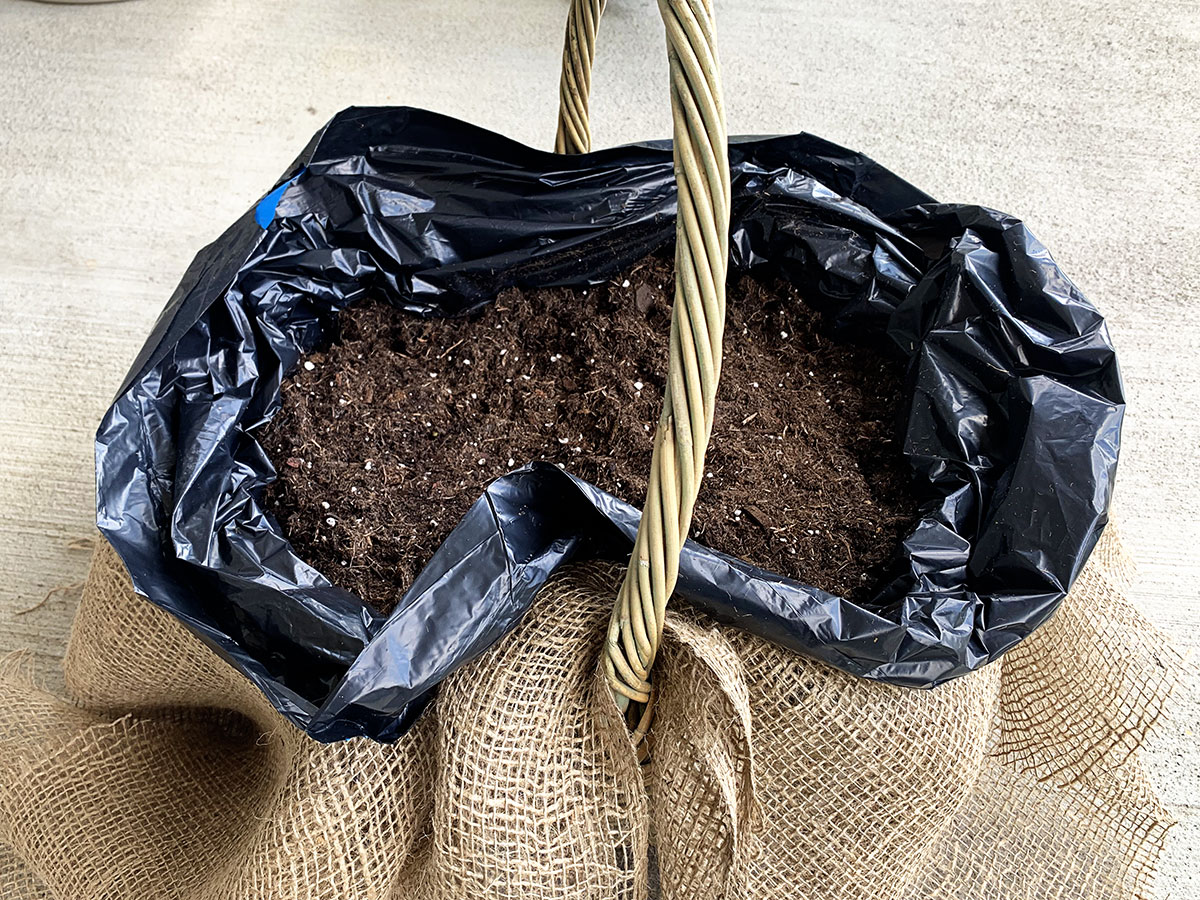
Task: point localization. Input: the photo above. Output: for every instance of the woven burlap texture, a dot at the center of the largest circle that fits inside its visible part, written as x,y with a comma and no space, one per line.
166,775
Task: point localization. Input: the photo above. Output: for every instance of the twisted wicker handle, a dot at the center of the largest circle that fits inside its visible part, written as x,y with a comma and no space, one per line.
697,320
575,85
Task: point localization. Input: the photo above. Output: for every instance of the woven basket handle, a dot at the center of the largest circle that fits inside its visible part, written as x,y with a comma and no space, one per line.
697,317
575,85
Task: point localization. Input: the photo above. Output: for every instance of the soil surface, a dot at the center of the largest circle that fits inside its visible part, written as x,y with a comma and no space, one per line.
386,438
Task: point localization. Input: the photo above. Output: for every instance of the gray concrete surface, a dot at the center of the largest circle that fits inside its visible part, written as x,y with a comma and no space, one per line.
132,133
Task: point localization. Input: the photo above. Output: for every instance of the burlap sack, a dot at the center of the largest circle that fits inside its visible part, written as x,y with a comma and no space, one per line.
1020,781
168,776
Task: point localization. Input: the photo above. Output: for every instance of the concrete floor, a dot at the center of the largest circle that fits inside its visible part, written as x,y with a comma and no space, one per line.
132,133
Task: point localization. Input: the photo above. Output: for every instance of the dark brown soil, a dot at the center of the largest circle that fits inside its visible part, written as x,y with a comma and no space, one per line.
385,439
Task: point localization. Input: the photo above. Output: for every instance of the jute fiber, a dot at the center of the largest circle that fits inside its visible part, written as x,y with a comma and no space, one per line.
166,775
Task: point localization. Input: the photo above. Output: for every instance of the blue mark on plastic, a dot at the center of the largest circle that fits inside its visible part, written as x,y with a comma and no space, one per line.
264,213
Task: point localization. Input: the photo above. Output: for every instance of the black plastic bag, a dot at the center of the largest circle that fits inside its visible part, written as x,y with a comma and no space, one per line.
1013,402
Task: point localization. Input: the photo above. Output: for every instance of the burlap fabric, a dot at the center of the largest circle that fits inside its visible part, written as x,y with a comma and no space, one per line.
168,776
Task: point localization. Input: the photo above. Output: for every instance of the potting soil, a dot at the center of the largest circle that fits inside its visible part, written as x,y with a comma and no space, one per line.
385,439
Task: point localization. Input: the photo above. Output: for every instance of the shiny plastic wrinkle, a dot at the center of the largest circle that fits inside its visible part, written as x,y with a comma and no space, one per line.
1011,420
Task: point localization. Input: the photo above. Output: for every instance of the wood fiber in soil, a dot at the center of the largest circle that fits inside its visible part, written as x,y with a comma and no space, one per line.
386,438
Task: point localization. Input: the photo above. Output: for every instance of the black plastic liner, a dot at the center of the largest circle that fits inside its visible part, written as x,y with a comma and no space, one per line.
1013,407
